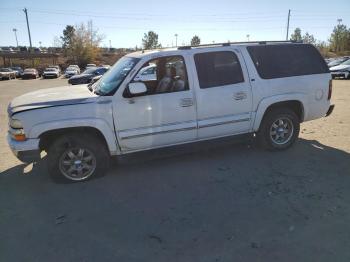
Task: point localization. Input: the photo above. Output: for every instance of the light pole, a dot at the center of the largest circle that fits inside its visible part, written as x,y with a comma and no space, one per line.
248,37
40,44
15,30
339,20
176,35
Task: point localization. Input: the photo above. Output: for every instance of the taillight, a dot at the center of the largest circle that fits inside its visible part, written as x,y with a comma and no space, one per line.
330,90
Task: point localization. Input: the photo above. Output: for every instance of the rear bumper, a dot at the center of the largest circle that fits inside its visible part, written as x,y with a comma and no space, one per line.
27,151
330,110
344,74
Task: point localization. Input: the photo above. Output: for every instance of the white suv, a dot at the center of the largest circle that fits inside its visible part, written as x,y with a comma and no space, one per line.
198,93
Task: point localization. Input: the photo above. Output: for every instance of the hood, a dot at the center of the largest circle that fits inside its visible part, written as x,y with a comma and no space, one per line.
51,97
81,76
339,67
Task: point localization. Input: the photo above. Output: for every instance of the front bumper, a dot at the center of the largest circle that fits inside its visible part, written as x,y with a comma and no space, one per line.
50,75
27,76
27,151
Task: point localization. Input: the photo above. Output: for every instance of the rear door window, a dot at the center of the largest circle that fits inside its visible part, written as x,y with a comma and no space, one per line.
218,69
277,61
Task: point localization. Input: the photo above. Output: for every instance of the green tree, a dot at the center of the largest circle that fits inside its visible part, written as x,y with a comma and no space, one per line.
195,40
309,38
296,36
83,45
150,40
340,39
68,35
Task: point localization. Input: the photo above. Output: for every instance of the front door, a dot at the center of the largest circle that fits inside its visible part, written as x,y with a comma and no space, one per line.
223,93
162,116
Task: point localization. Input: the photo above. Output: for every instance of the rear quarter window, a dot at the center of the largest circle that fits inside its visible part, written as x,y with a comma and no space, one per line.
277,61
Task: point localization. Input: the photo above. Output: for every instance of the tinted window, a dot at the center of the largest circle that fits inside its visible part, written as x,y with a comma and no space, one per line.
275,61
218,69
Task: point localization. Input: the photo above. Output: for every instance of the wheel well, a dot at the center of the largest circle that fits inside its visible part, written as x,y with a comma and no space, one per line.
47,138
294,105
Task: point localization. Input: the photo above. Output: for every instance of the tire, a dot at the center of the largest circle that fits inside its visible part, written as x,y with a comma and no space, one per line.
76,158
275,135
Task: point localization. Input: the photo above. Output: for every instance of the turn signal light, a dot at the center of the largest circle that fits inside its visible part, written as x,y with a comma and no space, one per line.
20,137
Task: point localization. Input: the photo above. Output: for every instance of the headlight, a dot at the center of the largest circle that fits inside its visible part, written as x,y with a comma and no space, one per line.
15,123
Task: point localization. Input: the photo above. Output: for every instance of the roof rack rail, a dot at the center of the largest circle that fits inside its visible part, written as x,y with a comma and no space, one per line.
230,43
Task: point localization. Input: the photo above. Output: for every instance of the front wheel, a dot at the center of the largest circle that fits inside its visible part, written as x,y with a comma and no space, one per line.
77,158
279,129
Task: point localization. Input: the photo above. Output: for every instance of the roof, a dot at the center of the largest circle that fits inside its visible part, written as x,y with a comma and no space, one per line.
140,54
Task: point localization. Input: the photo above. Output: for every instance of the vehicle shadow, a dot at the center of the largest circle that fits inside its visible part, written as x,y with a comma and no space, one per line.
225,151
217,199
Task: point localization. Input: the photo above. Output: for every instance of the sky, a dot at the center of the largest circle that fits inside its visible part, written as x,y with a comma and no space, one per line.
123,23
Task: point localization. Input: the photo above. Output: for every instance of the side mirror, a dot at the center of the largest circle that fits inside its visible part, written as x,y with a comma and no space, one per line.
137,88
95,79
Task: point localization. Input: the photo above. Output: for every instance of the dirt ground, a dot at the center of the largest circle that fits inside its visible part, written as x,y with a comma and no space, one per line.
214,202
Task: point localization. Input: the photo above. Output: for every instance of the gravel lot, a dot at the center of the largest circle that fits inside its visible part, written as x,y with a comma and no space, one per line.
213,202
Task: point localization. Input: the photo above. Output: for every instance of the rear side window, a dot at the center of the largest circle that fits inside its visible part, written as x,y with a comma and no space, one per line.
276,61
218,69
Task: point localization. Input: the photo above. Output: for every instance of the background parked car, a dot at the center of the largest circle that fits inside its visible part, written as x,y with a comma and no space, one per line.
71,71
57,67
148,73
7,50
90,65
338,61
7,73
30,73
50,72
75,66
87,75
23,49
18,70
342,70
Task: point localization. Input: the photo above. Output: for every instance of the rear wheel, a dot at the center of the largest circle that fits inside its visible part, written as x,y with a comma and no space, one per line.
77,158
279,129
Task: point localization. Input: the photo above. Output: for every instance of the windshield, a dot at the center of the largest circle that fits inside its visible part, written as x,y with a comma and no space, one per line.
90,70
347,62
5,70
115,76
50,69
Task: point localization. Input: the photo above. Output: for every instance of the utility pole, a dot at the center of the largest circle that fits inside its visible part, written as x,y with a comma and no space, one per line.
288,25
176,35
30,39
15,30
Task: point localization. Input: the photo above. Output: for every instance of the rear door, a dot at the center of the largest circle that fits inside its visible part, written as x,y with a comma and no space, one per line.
223,93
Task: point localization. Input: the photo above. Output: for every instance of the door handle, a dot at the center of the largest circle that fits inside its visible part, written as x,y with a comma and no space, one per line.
185,102
240,95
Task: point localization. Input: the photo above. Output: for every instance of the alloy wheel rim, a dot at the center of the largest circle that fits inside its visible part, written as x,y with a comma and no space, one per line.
77,163
281,131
